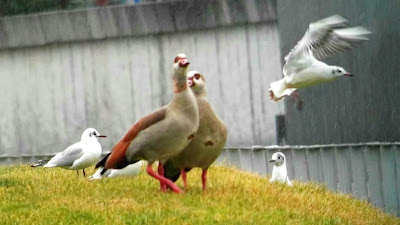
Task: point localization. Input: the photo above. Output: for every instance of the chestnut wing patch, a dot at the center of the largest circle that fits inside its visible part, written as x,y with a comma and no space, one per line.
118,153
144,123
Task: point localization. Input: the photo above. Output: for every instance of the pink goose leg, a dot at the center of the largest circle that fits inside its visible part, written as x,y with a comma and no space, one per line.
183,174
163,186
162,179
204,179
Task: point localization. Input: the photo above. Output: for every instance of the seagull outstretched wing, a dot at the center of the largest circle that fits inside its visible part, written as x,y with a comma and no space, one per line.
327,37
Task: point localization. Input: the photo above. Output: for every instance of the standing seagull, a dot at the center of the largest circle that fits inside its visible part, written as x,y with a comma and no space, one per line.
78,156
209,141
322,39
279,171
162,133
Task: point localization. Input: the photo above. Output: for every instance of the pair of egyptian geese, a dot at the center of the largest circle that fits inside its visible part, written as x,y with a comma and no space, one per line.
184,134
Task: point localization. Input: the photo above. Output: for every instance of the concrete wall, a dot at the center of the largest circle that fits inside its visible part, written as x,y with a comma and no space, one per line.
367,171
363,108
76,72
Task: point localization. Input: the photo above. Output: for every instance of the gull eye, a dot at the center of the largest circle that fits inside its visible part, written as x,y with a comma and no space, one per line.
339,71
197,76
94,133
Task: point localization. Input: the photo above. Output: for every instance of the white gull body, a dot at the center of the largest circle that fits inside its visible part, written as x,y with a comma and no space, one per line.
303,67
80,155
279,171
129,171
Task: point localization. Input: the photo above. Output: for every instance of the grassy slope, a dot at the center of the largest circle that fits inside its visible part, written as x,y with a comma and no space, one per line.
56,196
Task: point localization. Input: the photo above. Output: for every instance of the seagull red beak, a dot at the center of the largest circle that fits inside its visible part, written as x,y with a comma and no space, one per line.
348,74
102,136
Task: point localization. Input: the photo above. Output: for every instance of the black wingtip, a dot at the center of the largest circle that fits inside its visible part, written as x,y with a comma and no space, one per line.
102,162
40,163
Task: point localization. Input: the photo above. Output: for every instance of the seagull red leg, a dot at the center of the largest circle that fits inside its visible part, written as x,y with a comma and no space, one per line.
163,186
166,181
204,178
183,174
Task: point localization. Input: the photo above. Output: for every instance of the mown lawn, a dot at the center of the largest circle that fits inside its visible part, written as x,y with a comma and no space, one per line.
55,196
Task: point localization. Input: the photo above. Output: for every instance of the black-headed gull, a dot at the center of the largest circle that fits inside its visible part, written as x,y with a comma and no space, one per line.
78,156
322,39
279,171
129,171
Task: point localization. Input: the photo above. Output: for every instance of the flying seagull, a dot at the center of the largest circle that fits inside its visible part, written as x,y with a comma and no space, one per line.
323,38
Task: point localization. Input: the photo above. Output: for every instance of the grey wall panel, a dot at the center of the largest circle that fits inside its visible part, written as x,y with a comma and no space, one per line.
314,164
397,178
329,171
359,172
259,161
300,164
343,165
246,159
234,157
268,156
390,194
374,172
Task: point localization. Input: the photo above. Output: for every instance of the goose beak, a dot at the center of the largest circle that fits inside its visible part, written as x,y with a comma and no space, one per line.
184,63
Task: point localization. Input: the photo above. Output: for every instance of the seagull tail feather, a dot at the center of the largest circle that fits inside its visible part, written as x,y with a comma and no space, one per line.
279,90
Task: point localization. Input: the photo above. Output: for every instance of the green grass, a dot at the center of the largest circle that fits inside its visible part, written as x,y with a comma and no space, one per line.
56,196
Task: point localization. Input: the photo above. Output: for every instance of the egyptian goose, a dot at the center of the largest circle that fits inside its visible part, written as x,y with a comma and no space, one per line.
78,156
303,68
208,142
162,133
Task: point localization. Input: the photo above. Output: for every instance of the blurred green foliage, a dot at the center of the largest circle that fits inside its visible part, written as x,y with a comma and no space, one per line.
15,7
